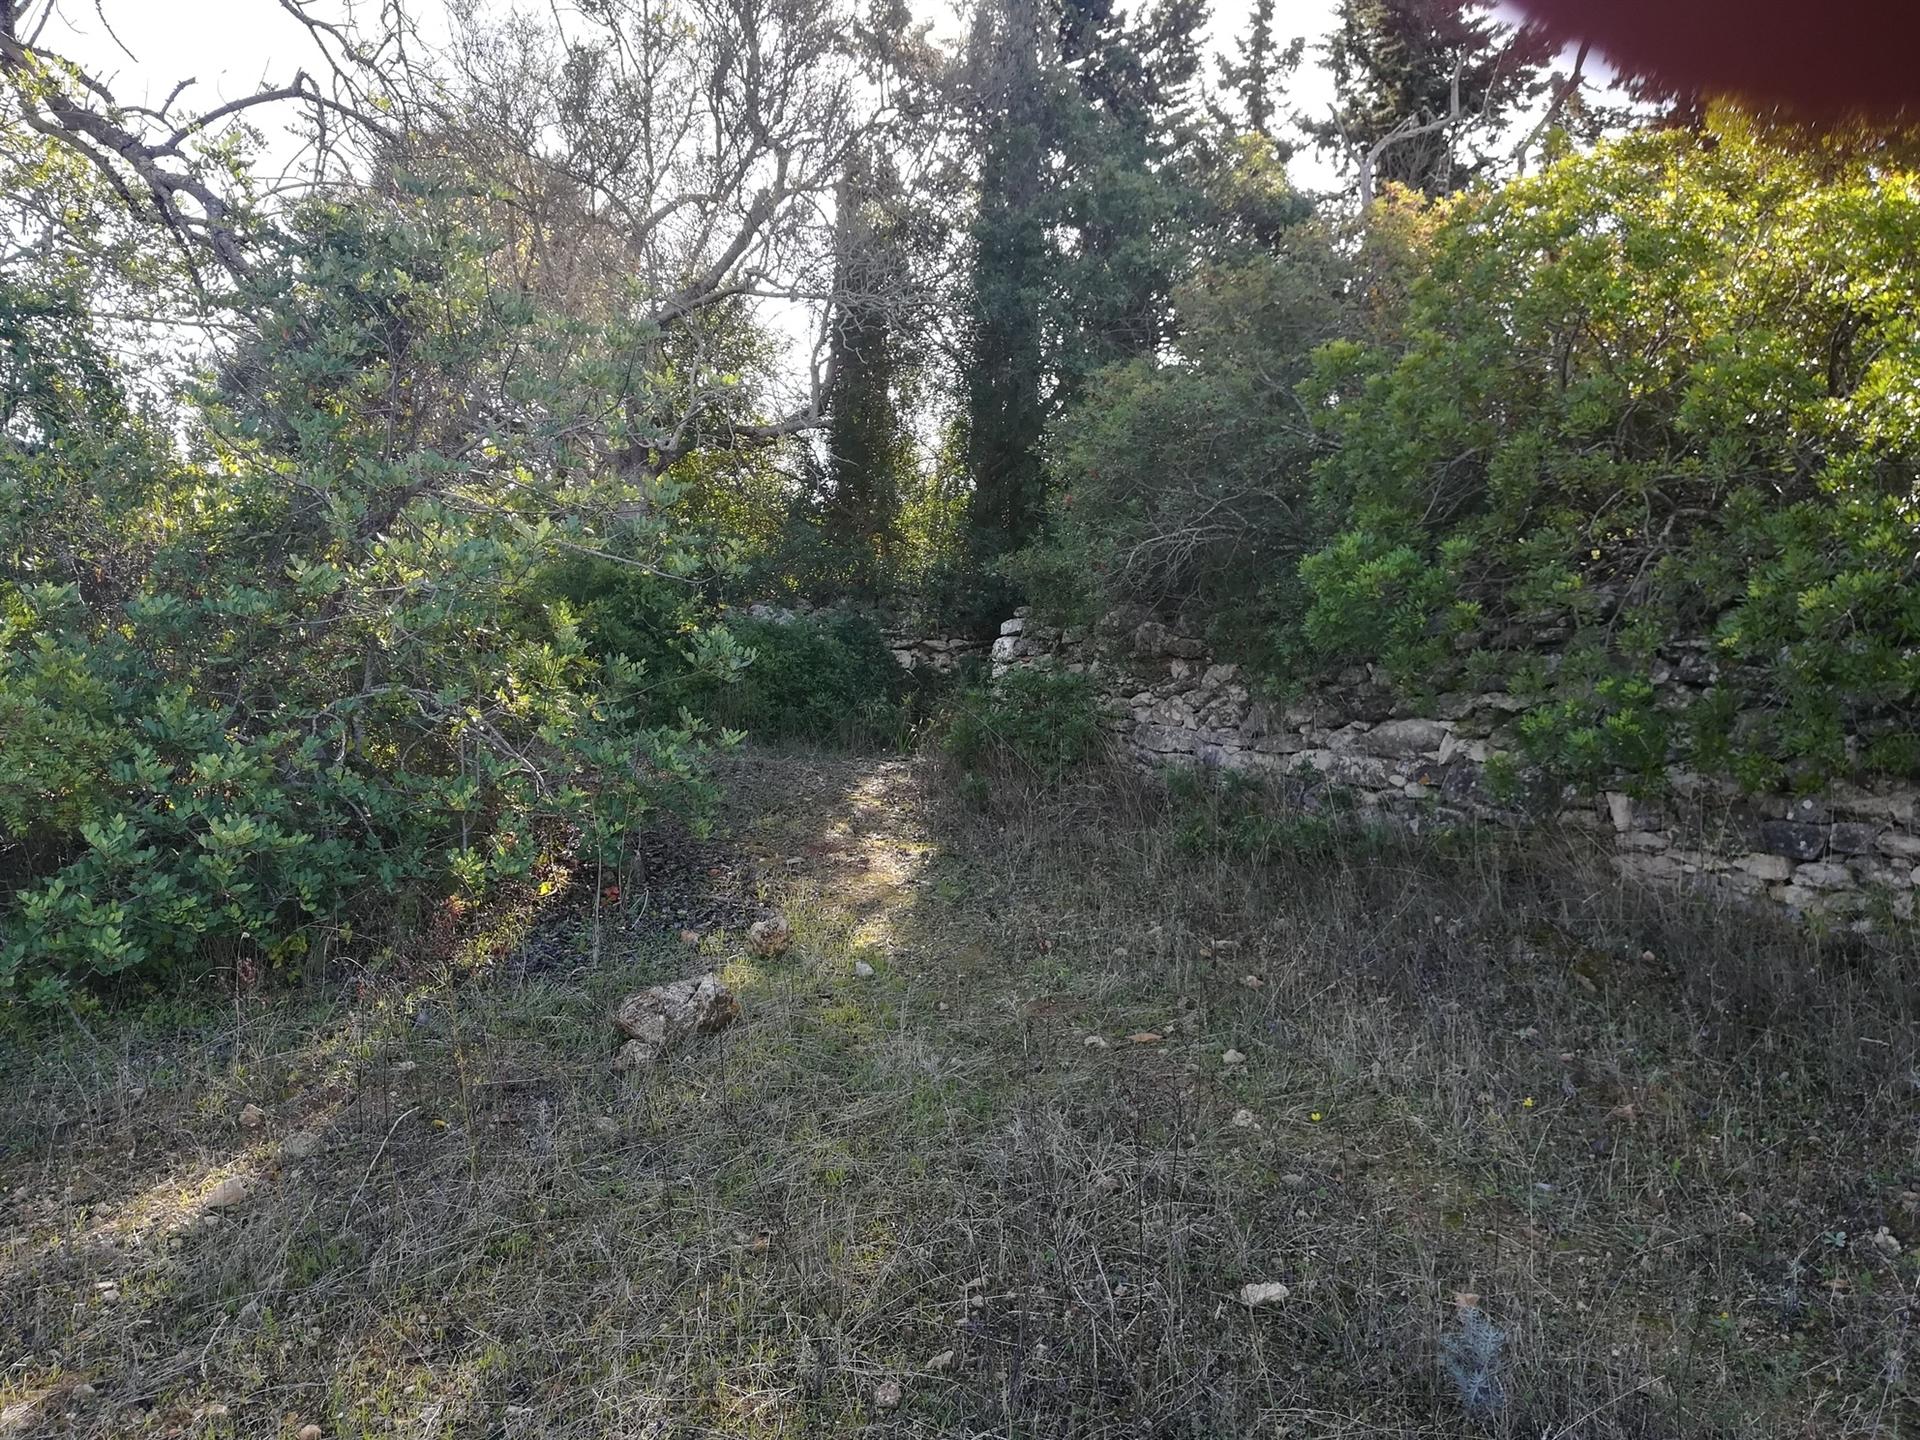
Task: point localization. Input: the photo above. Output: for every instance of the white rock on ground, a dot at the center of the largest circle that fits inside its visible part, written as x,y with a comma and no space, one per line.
229,1193
1265,1292
658,1018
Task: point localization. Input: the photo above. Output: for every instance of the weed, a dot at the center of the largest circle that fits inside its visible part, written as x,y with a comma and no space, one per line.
1470,1355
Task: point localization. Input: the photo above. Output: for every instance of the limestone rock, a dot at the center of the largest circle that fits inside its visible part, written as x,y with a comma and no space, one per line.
1850,838
660,1017
1269,1292
1899,846
770,937
229,1193
1826,876
1776,868
1404,739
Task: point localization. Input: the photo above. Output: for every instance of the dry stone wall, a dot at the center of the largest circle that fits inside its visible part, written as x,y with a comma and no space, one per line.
1167,702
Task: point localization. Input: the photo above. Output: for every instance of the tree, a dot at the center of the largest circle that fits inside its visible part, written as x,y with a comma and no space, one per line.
1012,109
1132,159
680,173
1413,80
867,442
1087,143
178,167
1257,69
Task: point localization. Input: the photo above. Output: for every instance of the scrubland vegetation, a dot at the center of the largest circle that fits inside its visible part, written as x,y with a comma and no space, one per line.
452,580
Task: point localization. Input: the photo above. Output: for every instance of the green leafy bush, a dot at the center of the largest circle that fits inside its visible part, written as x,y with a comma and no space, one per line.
1182,479
321,677
1040,724
1658,392
829,678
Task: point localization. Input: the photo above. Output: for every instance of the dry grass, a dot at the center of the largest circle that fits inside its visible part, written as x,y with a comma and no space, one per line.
1655,1142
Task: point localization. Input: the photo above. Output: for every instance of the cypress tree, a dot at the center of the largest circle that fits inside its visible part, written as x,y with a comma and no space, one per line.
867,442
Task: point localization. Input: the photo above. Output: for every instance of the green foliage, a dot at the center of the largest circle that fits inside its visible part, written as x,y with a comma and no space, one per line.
1223,814
828,679
1657,392
1607,727
1038,724
655,623
1183,477
323,676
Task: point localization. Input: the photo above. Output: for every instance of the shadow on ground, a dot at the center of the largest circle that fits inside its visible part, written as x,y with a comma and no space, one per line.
1039,1089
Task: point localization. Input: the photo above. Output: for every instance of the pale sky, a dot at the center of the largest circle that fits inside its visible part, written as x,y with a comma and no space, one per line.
231,47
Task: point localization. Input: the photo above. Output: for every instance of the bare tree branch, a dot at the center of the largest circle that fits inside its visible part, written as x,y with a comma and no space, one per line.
140,150
1562,92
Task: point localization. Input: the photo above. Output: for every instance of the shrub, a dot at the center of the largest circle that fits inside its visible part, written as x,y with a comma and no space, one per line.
1182,478
1470,1356
1040,724
322,680
1659,391
828,679
1220,813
